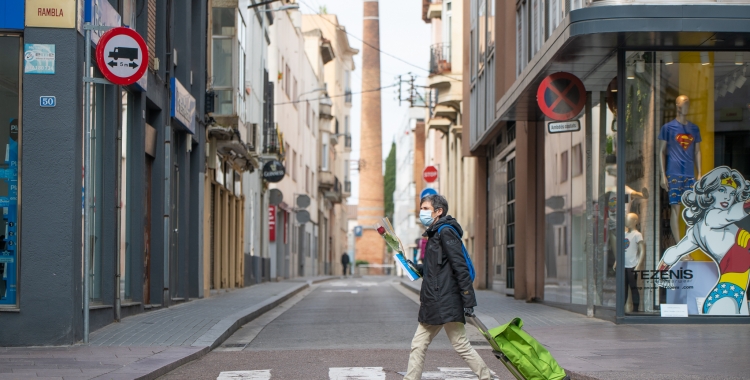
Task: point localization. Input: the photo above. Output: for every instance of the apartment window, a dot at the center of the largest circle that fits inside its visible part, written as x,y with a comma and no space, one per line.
307,179
490,25
482,31
223,39
521,37
287,75
564,167
346,125
294,93
307,113
324,155
537,18
282,77
294,166
577,164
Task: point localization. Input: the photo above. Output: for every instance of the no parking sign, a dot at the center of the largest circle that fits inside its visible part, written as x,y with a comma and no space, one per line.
561,96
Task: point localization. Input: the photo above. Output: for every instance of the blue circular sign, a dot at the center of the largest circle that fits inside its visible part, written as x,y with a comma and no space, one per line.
427,191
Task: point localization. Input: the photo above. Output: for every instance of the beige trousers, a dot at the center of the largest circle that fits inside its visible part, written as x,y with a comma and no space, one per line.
457,334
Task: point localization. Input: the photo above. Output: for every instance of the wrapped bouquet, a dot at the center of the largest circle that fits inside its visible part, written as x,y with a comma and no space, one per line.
385,229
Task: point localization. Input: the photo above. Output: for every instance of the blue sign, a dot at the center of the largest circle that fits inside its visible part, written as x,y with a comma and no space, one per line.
427,191
47,101
100,13
12,14
358,231
183,106
39,58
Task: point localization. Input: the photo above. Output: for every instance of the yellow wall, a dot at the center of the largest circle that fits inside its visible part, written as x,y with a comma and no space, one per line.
697,83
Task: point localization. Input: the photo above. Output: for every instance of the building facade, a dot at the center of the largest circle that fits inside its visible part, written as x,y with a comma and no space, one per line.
294,253
605,220
405,221
335,139
146,170
444,148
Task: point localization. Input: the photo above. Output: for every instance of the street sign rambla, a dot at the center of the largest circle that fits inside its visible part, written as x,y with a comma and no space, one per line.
122,56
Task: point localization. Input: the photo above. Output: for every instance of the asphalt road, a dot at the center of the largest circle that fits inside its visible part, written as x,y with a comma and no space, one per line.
355,328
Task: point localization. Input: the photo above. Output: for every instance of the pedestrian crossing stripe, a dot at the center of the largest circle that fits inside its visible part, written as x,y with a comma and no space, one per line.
360,373
264,374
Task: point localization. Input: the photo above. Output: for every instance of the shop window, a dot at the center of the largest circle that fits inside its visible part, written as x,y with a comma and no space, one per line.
686,134
10,139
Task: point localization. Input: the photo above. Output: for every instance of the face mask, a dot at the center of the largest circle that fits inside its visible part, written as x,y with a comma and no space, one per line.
425,216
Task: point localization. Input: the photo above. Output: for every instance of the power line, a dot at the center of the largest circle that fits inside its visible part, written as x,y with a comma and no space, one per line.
381,52
338,96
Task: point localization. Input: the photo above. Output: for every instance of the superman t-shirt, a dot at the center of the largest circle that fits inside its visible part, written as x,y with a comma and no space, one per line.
681,140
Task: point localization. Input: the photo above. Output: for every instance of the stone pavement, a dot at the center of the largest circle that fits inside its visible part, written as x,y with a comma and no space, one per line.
592,348
150,344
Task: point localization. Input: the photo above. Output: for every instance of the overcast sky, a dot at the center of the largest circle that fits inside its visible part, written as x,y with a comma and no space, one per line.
402,34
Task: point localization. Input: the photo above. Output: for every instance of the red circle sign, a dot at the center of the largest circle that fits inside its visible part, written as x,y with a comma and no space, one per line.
561,96
122,56
430,174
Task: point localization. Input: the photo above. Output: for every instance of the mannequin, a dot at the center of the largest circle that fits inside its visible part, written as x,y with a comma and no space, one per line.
635,249
680,159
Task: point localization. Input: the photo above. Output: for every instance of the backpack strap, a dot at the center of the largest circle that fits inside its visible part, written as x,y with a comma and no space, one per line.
440,257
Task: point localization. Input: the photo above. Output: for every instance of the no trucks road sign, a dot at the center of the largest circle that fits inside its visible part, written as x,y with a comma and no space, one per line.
561,96
122,56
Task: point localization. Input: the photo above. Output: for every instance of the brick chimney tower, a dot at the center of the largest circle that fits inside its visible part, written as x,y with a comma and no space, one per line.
370,246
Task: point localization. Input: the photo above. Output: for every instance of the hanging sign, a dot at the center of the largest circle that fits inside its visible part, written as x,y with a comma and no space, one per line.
273,171
561,96
430,174
183,106
122,56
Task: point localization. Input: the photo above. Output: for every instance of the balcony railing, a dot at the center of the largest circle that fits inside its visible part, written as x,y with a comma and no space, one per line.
271,144
440,59
347,187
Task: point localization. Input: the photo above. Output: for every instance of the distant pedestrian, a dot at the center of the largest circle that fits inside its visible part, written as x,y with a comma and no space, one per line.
345,262
447,293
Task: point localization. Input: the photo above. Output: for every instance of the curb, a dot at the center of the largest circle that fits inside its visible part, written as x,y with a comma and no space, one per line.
229,325
161,363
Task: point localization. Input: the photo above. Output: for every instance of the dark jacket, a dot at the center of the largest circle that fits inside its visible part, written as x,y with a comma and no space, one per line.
345,259
446,285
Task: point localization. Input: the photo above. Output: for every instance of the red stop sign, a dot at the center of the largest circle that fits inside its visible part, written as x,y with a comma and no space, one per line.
430,174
